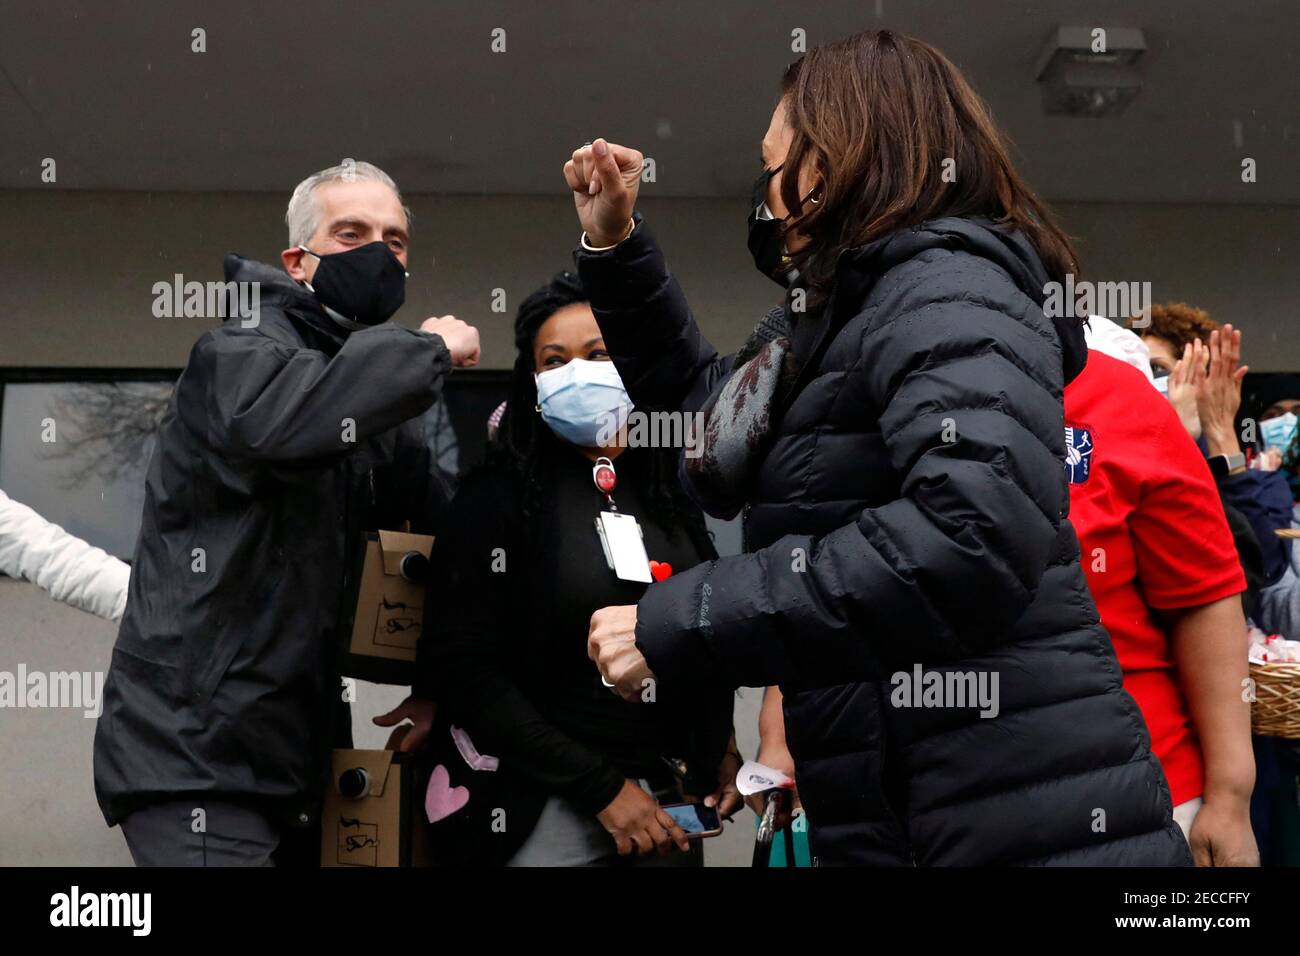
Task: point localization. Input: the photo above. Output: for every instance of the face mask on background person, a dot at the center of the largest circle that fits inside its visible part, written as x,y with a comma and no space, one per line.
1278,432
365,285
582,401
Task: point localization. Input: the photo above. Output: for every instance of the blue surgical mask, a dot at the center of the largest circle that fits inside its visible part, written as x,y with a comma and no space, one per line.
1278,432
583,402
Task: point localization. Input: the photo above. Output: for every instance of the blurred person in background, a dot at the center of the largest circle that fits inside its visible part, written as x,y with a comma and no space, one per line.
1183,342
1162,567
1167,332
1274,406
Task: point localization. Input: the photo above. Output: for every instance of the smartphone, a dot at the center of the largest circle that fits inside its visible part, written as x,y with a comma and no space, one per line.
696,819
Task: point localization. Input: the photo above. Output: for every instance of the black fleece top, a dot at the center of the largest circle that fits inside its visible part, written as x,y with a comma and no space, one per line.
507,620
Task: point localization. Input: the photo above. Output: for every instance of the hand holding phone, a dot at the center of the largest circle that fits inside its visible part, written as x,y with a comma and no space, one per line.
639,825
695,819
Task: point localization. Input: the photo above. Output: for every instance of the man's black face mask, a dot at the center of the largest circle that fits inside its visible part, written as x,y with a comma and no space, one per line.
364,285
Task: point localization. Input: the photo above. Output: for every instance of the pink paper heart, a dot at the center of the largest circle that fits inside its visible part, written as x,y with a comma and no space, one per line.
441,799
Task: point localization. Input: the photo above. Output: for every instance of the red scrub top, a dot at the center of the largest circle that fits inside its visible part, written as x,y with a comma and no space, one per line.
1152,537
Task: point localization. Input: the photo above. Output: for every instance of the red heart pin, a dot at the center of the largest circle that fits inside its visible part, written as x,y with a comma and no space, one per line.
660,570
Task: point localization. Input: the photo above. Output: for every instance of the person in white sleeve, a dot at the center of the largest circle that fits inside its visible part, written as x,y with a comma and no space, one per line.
71,570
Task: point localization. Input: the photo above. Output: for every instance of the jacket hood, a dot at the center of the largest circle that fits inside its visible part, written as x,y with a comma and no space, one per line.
275,285
277,289
1006,248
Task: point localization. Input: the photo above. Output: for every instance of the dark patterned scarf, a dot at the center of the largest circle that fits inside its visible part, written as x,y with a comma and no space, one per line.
738,417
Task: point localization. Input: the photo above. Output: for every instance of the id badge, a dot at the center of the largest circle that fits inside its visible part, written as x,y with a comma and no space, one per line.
620,537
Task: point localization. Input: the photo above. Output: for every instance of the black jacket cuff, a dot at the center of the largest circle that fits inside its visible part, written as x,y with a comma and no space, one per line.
626,275
601,792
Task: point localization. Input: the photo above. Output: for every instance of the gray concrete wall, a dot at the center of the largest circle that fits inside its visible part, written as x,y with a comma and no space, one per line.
77,268
76,286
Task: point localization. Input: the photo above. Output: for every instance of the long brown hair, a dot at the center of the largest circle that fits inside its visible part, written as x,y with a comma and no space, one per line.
876,115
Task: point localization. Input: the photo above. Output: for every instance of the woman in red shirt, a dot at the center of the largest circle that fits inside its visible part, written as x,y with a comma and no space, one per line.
1160,561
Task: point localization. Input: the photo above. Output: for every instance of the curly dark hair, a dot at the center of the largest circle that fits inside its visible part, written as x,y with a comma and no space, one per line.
1177,323
526,448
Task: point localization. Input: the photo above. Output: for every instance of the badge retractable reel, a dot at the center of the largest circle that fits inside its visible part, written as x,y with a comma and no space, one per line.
620,535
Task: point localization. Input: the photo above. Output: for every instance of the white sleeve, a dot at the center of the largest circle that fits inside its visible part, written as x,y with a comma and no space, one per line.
71,570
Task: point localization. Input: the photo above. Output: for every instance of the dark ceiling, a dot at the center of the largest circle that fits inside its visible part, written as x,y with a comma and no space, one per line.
114,94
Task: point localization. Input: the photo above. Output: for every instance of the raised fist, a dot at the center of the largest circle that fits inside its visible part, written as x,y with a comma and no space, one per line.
605,179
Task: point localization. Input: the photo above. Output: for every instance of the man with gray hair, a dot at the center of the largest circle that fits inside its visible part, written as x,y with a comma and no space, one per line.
289,432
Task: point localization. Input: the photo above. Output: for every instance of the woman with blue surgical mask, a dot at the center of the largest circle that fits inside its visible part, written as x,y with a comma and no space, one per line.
583,400
1277,434
573,508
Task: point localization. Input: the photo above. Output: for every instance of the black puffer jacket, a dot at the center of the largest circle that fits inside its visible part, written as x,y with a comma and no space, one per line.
280,444
911,510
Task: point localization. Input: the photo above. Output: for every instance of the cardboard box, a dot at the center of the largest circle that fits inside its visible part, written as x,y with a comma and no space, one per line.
373,813
389,610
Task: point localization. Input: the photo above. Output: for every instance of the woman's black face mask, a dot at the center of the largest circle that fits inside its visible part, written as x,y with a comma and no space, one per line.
364,285
767,234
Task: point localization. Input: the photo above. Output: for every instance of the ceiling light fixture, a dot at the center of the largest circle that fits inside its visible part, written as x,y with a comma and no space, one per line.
1091,71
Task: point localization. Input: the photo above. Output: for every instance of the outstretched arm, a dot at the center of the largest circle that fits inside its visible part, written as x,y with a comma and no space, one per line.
251,397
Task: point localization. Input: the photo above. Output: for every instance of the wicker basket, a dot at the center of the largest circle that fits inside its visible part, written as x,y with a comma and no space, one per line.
1276,710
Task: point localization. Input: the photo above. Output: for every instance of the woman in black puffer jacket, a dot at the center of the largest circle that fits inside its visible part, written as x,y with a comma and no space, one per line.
894,436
